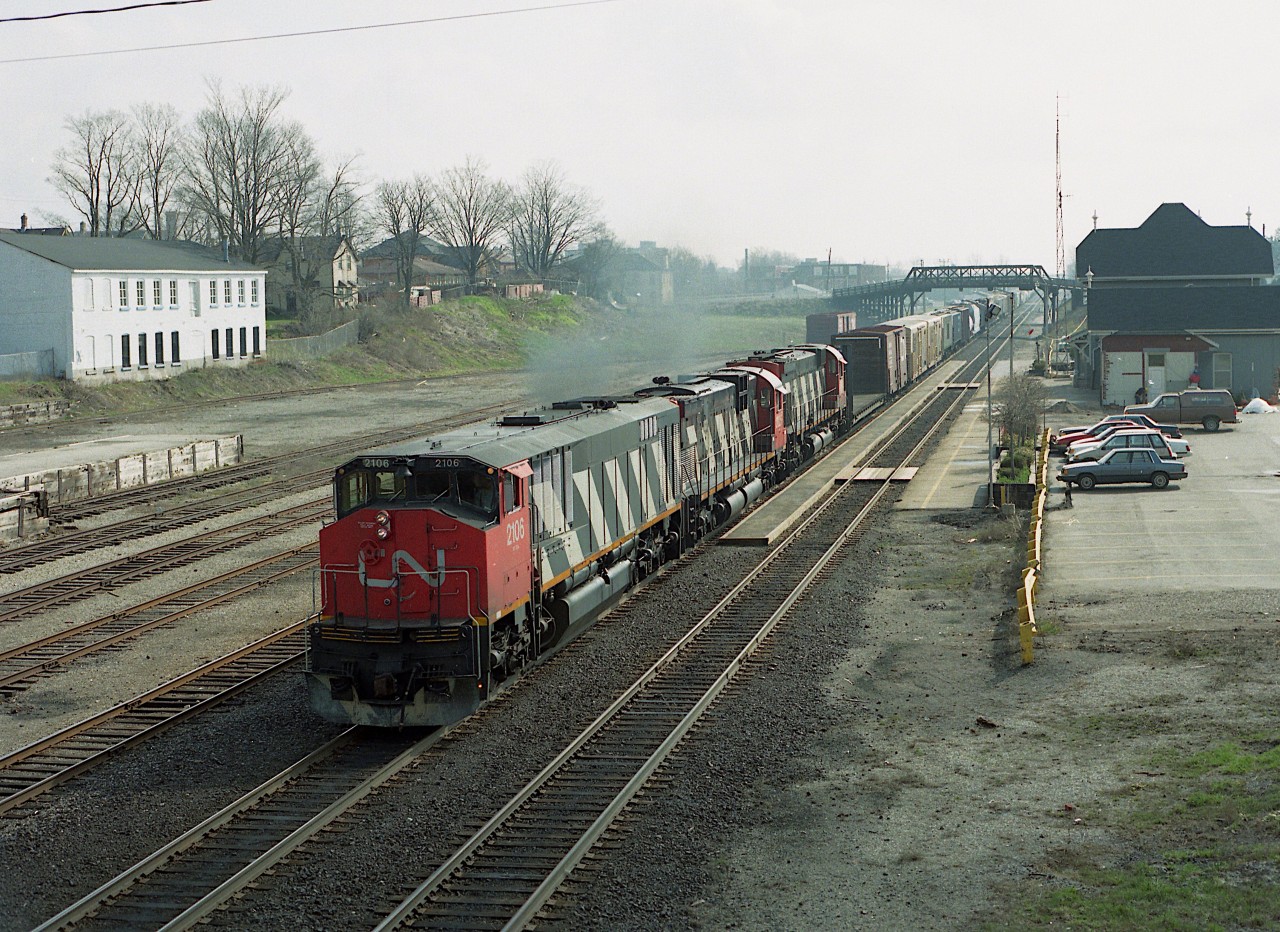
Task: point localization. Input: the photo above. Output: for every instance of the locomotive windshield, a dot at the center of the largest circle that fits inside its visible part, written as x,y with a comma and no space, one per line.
470,491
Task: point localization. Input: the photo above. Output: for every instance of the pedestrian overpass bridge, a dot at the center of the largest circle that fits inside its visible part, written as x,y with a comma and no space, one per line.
886,300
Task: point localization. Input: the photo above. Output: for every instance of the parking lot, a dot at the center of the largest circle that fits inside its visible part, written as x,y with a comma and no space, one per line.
1217,529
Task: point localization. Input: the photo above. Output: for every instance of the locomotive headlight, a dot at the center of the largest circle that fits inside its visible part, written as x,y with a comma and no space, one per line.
382,518
382,533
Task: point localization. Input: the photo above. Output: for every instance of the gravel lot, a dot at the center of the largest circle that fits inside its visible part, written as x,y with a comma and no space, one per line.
887,764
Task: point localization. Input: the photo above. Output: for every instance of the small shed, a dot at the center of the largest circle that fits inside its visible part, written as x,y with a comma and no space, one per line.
1163,362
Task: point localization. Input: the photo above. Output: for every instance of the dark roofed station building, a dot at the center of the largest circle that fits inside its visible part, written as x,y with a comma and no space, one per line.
1175,295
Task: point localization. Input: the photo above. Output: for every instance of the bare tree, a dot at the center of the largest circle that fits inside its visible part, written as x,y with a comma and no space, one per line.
338,203
402,210
96,174
157,155
242,154
1019,411
470,214
548,215
691,274
592,264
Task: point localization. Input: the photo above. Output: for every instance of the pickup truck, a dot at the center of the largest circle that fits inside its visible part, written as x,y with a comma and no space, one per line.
1208,407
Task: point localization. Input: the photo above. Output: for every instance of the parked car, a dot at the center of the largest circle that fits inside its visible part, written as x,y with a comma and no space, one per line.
1143,420
1101,434
1059,442
1128,439
1208,407
1123,466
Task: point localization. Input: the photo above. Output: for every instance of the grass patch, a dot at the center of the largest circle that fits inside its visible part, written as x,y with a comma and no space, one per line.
1197,851
473,334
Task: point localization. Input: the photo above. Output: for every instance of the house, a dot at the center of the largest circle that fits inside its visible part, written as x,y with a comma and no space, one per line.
1175,295
26,227
380,273
108,309
828,276
310,273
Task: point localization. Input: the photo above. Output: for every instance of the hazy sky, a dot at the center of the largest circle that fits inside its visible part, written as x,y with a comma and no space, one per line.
887,131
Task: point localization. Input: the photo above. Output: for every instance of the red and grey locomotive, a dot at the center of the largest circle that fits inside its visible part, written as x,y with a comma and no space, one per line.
458,560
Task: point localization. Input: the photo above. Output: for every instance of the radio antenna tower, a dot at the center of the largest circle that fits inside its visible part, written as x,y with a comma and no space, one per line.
1060,268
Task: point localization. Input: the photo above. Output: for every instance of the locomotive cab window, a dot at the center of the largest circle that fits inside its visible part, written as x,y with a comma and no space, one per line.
362,487
510,493
477,489
432,485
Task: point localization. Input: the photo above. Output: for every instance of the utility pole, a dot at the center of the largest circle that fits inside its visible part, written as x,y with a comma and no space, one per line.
986,328
1060,267
1011,306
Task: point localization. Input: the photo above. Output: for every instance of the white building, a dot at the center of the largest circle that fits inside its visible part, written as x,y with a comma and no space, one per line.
127,309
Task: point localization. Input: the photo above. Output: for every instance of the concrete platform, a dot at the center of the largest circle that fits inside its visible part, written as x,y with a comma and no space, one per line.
771,519
94,450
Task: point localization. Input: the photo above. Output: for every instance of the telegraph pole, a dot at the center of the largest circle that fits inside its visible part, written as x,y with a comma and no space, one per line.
986,328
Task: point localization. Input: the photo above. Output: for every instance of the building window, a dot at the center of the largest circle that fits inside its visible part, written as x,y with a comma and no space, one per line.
88,294
253,291
175,356
124,351
240,291
159,348
257,342
157,300
173,293
124,293
215,342
231,343
142,350
226,291
244,341
213,293
142,292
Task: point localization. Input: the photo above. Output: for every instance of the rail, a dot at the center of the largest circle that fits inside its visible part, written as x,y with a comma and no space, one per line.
535,842
1027,590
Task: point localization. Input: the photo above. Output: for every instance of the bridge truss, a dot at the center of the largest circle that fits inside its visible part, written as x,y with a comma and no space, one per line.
886,300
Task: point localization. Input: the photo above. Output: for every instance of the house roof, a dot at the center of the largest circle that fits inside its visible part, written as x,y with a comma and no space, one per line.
426,247
1174,243
107,254
326,247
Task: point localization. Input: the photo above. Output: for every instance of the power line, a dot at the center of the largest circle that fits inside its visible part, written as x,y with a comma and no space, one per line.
114,9
309,32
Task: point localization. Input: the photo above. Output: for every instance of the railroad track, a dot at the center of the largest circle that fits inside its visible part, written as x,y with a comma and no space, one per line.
56,758
71,543
116,573
504,875
509,869
21,666
187,879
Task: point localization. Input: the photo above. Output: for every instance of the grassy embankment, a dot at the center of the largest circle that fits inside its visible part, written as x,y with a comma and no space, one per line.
470,335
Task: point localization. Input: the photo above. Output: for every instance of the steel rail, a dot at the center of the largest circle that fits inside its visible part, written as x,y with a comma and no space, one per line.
49,761
187,879
111,575
20,666
68,544
483,844
88,904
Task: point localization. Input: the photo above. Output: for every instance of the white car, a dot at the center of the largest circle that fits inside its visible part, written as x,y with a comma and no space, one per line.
1165,447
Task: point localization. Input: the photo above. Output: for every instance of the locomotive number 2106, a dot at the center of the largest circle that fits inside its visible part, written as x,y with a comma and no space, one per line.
515,532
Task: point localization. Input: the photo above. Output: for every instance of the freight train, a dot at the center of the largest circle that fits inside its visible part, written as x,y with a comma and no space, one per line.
458,560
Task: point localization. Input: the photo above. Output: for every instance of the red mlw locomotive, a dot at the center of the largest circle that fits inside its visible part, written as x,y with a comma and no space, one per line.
458,560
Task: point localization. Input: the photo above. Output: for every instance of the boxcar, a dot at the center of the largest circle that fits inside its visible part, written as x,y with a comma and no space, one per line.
820,328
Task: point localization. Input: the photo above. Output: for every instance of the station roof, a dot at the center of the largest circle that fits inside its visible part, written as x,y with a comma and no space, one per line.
1174,243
